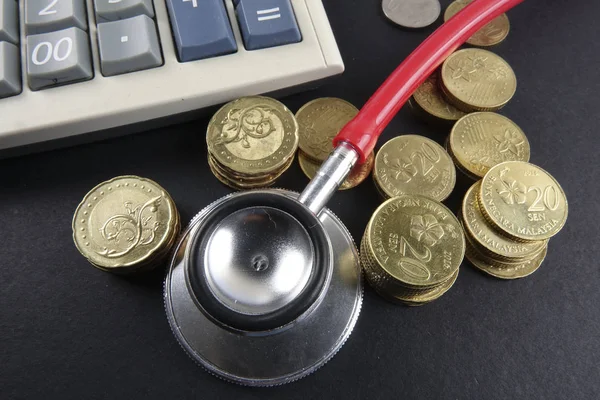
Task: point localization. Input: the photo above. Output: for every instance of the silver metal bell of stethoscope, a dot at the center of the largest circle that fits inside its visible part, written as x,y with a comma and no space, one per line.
265,286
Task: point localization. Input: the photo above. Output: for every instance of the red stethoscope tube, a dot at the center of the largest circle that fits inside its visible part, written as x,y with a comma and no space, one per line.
363,131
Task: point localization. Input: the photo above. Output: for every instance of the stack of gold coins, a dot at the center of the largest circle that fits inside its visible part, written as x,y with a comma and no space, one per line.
126,225
480,140
477,80
491,34
509,217
412,249
412,164
429,103
319,121
251,142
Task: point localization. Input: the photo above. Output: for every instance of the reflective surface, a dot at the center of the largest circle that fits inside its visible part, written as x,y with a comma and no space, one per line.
272,358
258,260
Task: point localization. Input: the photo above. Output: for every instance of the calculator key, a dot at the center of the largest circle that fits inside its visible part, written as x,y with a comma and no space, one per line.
9,21
57,58
51,15
114,10
128,45
10,76
267,23
201,29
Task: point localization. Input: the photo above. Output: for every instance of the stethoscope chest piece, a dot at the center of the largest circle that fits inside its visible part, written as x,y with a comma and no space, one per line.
260,291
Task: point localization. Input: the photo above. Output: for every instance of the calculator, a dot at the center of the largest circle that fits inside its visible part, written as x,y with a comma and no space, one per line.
69,68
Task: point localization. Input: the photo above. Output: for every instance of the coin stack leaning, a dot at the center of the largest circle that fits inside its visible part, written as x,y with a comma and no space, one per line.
411,249
491,34
509,217
251,142
428,102
480,140
319,121
413,164
477,80
126,225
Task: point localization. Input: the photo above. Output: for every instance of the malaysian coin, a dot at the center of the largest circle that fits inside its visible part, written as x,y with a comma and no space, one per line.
491,34
246,178
457,164
523,201
416,241
480,140
358,174
319,121
514,270
412,13
477,80
412,164
425,296
253,135
487,238
124,223
245,182
430,99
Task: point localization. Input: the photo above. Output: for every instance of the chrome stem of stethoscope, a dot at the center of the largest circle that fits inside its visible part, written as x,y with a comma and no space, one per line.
329,177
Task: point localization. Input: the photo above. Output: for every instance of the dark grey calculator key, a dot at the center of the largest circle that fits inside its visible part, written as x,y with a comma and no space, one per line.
267,23
201,29
10,75
128,45
57,58
114,10
9,21
51,15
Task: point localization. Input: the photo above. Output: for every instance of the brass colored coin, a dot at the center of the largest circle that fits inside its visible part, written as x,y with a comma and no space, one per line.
358,174
250,178
412,164
523,200
430,99
417,241
246,183
427,296
486,237
501,270
125,222
253,135
480,140
477,80
491,34
320,120
457,164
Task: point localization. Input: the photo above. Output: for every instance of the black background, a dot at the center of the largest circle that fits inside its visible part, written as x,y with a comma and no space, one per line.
69,330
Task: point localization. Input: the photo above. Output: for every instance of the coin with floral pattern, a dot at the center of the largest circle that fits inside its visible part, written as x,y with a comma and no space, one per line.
413,164
480,140
523,201
415,241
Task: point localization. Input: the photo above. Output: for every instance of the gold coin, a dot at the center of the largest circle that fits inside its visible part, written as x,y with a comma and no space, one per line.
253,135
426,296
319,122
523,200
124,222
358,174
430,99
246,178
502,270
477,79
486,237
490,34
417,241
412,164
457,164
246,183
480,140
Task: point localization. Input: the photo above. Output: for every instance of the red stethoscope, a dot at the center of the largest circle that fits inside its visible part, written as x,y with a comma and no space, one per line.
265,286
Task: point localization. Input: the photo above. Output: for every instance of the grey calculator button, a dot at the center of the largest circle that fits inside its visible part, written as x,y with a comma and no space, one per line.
51,15
10,77
128,45
9,21
113,10
57,58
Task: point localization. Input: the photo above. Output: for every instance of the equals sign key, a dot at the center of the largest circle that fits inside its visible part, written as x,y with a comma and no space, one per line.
267,23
